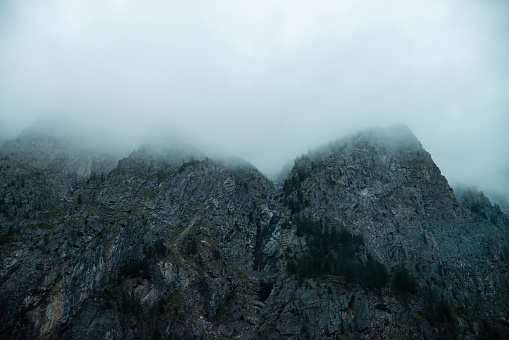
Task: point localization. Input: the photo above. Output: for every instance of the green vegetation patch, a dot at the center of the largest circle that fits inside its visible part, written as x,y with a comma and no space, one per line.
185,165
330,252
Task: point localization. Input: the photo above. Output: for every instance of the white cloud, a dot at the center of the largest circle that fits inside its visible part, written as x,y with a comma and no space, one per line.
266,80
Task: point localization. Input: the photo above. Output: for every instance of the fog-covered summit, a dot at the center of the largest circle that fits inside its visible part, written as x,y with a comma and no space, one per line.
395,137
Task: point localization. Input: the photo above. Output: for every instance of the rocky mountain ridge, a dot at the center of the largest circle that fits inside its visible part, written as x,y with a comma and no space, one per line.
364,239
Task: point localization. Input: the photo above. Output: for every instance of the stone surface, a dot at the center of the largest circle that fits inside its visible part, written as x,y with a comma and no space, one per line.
176,245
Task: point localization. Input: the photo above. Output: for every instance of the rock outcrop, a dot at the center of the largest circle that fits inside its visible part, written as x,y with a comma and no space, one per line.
176,245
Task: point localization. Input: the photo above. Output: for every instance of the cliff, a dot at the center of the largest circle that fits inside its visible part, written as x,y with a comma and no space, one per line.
364,239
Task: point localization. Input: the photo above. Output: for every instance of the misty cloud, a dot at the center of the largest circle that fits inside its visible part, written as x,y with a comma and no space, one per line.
264,80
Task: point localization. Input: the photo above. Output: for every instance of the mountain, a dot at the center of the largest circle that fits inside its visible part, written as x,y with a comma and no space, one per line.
362,238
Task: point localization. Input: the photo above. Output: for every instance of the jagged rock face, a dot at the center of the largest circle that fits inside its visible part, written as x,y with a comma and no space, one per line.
36,150
481,206
394,195
164,245
213,221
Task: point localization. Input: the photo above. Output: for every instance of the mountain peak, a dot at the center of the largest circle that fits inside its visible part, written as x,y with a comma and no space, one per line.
395,137
368,223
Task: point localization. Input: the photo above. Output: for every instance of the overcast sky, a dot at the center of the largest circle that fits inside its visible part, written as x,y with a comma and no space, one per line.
265,80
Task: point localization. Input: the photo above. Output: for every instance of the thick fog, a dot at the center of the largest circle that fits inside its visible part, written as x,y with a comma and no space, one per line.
264,80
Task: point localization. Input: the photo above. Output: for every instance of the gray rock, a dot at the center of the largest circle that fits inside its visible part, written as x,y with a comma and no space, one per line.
175,245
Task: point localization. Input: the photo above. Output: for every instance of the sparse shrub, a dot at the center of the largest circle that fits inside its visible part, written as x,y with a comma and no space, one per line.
187,164
375,273
135,268
403,281
130,304
436,310
192,246
216,254
159,248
